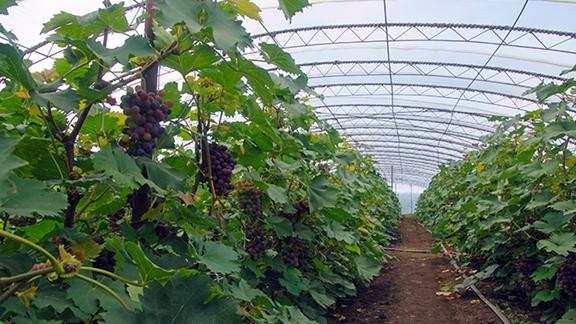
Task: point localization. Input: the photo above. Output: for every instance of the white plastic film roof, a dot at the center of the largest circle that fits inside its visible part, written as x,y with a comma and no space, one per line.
410,82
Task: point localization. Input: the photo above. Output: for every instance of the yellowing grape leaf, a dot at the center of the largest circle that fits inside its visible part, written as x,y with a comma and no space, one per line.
26,296
247,8
86,250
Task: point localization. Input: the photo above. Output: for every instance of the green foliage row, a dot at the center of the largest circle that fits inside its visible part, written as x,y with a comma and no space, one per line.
67,188
509,206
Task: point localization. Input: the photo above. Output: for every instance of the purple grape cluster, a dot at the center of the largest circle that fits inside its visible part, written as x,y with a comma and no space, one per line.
250,199
255,240
105,261
294,251
145,112
22,221
222,164
526,265
302,210
567,277
115,218
164,231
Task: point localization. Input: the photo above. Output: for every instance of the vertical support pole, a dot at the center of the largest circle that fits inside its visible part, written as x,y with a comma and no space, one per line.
150,75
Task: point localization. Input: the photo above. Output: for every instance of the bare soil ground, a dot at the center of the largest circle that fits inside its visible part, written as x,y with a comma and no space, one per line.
413,288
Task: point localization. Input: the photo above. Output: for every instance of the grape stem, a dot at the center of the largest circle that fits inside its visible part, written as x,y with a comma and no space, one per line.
103,286
59,269
25,276
114,276
10,291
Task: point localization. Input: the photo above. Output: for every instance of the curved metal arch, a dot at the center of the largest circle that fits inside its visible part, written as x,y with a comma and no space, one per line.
429,162
408,170
441,121
362,140
421,85
423,116
412,172
510,75
408,162
401,106
429,32
447,148
489,103
424,180
420,129
419,182
412,150
433,159
356,118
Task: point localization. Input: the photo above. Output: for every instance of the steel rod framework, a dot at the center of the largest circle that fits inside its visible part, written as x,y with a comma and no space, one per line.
492,74
485,130
354,89
523,38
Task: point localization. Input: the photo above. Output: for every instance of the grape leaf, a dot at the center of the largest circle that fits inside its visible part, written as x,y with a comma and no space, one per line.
93,23
322,299
199,57
12,67
282,226
228,32
562,243
66,100
5,4
259,79
338,232
219,257
294,282
291,7
148,270
275,55
247,8
367,267
321,194
245,292
43,163
119,166
24,197
163,175
277,194
181,300
8,161
133,46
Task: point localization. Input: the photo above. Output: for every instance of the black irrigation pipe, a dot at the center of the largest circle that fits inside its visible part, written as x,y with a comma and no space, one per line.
495,309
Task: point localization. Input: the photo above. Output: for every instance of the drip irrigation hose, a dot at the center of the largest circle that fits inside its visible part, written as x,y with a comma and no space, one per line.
495,309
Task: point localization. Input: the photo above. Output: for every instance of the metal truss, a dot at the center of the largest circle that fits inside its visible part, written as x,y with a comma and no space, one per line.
412,151
496,75
464,137
422,157
518,37
368,138
430,119
375,143
489,97
415,147
429,165
418,109
409,162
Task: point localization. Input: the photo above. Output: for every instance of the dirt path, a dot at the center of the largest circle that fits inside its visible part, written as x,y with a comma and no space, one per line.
410,289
